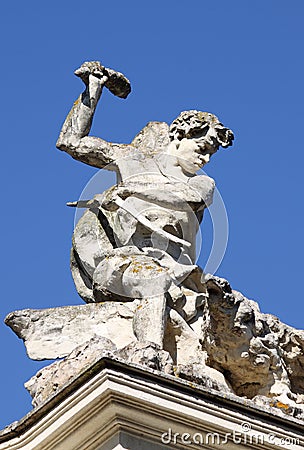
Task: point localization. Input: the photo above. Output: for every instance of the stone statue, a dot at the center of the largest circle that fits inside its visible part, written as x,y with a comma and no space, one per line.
141,242
133,262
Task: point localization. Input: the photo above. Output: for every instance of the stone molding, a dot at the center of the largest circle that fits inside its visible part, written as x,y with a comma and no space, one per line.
115,405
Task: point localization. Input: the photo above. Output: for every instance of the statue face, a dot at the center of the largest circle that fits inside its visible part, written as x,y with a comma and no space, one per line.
192,154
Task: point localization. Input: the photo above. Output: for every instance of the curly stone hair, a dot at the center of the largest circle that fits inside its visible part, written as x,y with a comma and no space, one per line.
196,124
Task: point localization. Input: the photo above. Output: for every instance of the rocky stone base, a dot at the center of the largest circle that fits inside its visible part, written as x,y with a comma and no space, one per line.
219,339
49,380
53,378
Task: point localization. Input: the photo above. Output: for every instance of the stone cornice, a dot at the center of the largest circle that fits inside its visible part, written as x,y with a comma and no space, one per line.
112,396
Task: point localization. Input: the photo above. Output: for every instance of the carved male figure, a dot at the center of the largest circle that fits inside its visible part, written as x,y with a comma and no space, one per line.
136,243
143,230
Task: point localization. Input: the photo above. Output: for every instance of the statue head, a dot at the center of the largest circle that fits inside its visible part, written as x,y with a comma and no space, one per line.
201,126
197,136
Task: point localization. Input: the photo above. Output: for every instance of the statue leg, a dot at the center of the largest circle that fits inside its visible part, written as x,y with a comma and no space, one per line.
150,320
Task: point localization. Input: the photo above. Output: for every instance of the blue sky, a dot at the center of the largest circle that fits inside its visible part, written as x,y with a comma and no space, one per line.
240,60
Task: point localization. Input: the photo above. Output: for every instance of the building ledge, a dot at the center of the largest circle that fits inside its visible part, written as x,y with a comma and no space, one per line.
118,405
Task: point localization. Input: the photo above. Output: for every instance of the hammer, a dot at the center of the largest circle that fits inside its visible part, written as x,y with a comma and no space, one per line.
117,83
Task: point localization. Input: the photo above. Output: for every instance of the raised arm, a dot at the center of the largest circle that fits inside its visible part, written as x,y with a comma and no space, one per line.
73,137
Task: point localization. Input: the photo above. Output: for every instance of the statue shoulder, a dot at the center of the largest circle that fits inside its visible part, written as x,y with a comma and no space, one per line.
153,138
205,186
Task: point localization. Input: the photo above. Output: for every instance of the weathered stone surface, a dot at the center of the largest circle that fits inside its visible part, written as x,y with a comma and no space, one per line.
259,355
55,332
147,354
151,308
128,273
157,203
50,379
229,345
197,372
137,240
136,244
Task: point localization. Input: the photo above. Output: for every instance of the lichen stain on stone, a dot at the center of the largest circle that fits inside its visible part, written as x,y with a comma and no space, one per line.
280,405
